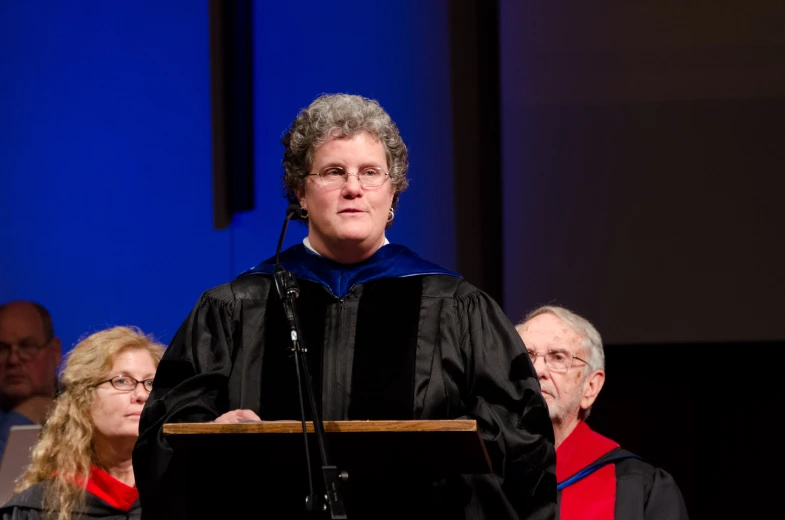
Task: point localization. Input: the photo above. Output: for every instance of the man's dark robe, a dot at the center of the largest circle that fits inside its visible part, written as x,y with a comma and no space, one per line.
600,481
391,338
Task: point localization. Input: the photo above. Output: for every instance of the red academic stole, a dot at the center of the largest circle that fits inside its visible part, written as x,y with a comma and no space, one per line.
111,490
593,497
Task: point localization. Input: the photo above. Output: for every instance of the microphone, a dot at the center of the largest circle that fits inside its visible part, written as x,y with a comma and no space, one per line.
288,291
294,210
285,283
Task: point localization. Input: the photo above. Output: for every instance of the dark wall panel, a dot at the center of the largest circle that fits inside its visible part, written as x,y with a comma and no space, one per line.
660,222
643,166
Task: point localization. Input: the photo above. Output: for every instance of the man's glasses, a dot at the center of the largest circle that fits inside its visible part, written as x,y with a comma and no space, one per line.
128,383
334,176
26,349
556,360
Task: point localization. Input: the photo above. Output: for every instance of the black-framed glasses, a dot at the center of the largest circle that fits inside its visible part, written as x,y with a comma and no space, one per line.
334,176
128,383
556,360
27,349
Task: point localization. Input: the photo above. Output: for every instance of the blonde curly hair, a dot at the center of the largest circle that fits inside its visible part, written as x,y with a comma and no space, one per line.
65,453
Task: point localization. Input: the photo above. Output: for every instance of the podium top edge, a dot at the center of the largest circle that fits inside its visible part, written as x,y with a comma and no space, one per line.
453,425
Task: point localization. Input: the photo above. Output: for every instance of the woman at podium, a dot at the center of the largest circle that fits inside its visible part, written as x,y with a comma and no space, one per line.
389,336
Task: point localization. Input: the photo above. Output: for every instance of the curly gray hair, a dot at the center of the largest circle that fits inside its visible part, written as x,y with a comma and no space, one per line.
340,116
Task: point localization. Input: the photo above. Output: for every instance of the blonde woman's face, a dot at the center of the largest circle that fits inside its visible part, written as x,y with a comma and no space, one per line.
115,412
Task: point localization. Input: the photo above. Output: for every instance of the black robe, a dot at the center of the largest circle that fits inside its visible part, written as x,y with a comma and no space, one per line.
27,505
393,337
645,492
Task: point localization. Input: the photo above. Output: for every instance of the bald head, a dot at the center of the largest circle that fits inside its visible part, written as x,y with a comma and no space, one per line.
24,306
29,353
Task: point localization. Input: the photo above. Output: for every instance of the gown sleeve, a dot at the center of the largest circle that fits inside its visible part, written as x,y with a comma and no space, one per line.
26,505
503,396
20,513
664,500
190,386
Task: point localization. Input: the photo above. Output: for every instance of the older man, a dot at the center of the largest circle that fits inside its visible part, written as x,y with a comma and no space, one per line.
597,479
29,356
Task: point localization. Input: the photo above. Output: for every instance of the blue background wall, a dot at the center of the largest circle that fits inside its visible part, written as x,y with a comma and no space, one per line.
105,145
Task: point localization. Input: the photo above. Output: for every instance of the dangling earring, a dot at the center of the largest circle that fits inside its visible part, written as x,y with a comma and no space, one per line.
391,216
303,213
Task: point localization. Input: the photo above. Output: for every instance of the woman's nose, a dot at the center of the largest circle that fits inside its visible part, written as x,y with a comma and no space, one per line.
352,184
140,394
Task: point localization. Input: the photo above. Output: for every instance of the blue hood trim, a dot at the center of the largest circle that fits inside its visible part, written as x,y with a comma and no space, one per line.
390,261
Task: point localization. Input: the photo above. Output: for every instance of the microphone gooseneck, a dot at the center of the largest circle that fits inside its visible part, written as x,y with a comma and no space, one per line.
288,291
294,210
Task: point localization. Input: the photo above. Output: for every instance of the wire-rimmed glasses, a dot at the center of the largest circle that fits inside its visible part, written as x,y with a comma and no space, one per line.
334,176
26,349
556,360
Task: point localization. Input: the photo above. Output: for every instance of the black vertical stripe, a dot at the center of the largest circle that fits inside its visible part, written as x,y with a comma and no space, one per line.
476,135
280,394
385,350
232,100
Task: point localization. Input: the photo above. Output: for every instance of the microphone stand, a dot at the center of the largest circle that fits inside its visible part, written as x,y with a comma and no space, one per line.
288,291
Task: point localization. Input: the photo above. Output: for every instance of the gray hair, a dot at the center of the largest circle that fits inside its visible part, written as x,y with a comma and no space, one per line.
340,116
591,339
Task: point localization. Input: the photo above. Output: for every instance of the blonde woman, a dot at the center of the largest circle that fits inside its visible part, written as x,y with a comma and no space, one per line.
81,466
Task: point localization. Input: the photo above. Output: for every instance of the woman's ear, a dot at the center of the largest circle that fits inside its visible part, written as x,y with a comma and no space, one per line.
300,194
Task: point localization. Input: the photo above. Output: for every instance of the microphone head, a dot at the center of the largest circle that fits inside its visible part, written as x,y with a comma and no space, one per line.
294,211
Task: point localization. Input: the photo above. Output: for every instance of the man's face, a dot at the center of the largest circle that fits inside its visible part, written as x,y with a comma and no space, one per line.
21,329
564,392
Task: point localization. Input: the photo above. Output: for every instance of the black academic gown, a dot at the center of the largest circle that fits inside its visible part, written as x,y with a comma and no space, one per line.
27,505
393,337
645,492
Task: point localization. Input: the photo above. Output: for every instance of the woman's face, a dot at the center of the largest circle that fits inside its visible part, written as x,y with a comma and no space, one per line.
115,412
347,222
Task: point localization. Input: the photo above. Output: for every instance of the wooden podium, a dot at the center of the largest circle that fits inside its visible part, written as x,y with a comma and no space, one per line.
257,469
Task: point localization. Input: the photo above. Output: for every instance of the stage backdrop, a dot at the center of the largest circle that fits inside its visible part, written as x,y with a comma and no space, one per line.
105,145
643,166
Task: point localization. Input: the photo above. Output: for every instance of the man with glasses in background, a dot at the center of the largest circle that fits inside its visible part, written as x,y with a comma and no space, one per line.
29,356
596,478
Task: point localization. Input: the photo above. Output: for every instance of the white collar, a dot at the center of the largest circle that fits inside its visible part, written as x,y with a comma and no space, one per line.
307,244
